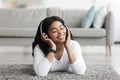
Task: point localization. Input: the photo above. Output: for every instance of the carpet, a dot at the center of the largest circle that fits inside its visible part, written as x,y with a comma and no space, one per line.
25,72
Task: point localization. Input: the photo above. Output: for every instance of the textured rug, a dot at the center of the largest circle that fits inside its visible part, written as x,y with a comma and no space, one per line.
25,72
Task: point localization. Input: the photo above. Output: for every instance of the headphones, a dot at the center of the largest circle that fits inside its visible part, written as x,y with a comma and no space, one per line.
42,26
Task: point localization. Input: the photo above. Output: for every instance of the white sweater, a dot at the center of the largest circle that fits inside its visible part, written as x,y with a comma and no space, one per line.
42,66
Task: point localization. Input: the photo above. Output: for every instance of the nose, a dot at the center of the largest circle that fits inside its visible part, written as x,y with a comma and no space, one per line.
61,32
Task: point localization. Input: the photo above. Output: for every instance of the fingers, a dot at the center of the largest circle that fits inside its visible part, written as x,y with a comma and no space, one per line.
48,40
68,34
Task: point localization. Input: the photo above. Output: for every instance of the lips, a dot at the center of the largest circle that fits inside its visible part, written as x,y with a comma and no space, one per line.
61,37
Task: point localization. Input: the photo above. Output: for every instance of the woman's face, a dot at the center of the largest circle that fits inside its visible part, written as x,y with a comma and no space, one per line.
57,32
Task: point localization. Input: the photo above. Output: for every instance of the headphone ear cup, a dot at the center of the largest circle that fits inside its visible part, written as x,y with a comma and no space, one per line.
46,36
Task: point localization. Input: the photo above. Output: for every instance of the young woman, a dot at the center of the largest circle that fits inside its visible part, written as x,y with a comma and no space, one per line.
54,49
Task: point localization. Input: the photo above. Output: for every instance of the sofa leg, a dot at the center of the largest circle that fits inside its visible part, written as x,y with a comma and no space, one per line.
108,50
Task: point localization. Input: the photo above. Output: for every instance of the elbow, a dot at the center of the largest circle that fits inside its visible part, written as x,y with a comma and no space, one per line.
40,72
81,71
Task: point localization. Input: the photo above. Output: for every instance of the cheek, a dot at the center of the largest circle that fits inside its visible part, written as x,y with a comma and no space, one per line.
52,36
65,31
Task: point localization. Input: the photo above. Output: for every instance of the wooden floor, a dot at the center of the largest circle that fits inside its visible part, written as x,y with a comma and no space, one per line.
91,54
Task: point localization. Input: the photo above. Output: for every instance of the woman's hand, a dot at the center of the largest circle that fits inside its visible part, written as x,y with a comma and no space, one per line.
48,41
68,39
70,53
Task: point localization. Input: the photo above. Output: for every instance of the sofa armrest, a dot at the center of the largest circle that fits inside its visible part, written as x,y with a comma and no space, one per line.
109,26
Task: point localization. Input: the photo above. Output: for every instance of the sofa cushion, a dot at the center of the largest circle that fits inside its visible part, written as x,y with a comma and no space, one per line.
31,32
89,18
100,17
88,32
72,17
21,18
17,32
8,41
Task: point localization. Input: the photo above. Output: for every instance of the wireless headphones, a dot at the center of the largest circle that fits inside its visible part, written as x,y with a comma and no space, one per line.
42,26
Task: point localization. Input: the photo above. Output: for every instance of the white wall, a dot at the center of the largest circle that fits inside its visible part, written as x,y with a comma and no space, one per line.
116,11
0,3
68,4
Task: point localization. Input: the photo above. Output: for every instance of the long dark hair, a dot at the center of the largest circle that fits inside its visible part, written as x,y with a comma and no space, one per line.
45,27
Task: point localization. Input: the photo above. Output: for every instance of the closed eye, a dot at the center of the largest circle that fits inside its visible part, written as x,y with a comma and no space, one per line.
62,28
54,30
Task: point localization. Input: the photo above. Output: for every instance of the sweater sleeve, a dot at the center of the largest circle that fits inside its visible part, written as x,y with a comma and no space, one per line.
79,66
41,64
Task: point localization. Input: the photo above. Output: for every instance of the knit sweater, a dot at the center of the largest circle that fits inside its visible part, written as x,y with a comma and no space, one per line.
42,66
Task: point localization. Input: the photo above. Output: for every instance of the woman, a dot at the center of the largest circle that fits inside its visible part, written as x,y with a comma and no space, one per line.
54,49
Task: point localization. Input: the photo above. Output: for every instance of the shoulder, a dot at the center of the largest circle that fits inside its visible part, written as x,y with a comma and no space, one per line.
74,43
36,47
75,46
37,50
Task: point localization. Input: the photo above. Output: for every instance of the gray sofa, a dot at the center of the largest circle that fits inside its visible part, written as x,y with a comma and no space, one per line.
19,26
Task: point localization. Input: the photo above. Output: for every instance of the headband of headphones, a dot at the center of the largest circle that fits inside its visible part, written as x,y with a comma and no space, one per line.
42,26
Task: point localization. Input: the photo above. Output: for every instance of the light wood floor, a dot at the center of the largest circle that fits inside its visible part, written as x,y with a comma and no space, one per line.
91,54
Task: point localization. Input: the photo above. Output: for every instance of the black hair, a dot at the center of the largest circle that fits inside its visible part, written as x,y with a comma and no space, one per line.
45,24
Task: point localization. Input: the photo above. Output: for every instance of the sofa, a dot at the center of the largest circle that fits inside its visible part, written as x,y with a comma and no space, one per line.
18,26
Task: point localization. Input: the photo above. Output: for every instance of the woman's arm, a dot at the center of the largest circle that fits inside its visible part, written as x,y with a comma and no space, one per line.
71,56
41,63
79,66
51,44
76,60
77,63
